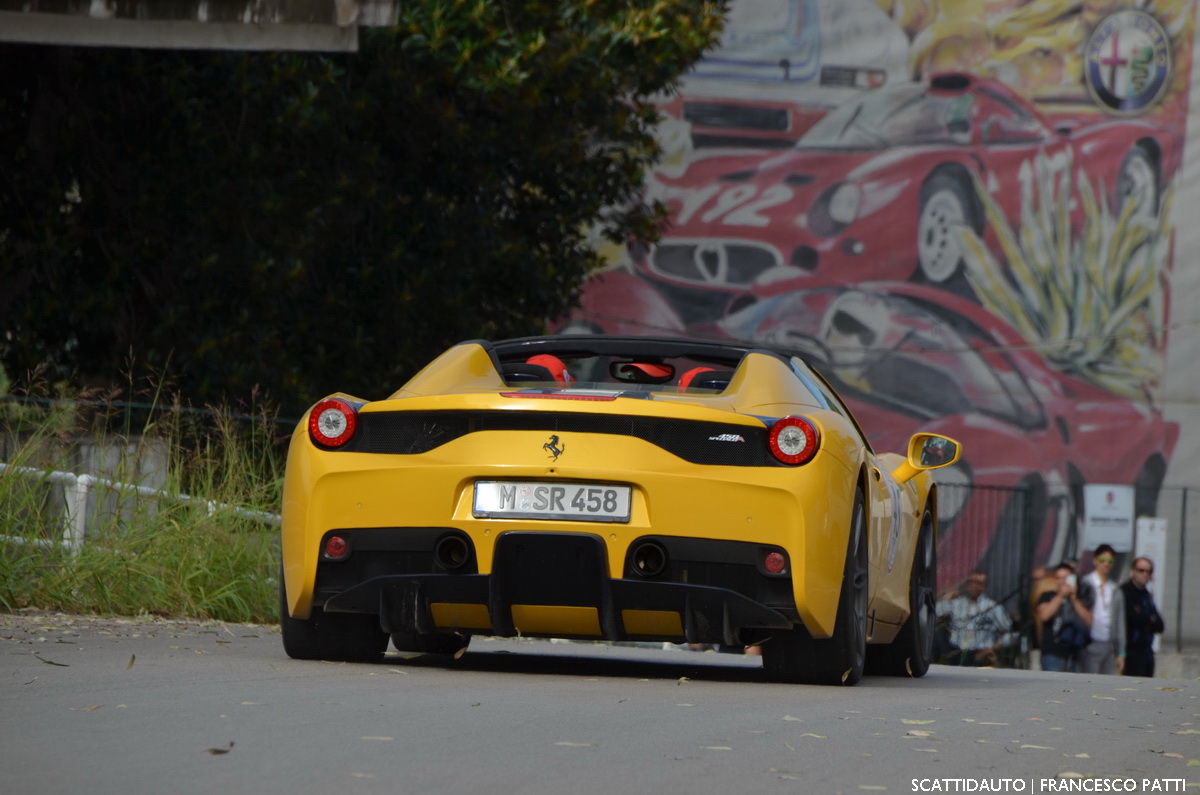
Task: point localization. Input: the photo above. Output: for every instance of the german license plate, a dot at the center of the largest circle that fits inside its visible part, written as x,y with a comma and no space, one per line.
579,502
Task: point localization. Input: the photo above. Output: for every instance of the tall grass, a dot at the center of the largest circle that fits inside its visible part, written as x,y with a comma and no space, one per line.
164,556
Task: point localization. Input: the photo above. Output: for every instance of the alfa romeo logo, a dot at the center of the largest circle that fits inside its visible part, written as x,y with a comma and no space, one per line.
1128,62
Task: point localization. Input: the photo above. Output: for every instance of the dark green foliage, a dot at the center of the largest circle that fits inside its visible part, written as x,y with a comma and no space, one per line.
307,223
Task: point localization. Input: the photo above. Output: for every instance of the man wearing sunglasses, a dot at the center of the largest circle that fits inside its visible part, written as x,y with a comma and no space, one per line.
1106,653
1142,621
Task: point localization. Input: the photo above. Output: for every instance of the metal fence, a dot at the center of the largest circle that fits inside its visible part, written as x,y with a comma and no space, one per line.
1007,532
83,498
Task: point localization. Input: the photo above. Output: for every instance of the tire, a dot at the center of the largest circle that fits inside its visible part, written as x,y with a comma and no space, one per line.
797,657
912,651
945,205
336,637
447,643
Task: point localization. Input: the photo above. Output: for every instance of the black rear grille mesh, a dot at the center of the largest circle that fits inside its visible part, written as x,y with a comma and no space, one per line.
415,432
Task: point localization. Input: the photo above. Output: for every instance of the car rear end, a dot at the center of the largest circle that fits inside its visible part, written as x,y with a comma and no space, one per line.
567,512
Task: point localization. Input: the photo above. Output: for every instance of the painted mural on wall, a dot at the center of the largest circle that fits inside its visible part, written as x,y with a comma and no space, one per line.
961,211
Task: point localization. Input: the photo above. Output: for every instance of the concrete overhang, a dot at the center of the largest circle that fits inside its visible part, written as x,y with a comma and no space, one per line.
319,25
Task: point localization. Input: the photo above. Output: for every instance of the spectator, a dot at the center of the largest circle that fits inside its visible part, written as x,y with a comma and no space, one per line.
1055,609
1142,621
1105,654
1043,581
979,627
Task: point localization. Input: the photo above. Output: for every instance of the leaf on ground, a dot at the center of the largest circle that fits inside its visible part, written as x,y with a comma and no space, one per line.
915,721
219,751
908,665
1187,731
872,787
92,708
789,717
1038,747
818,736
1083,756
927,750
1104,698
681,680
716,748
846,675
1173,755
132,660
51,662
458,654
918,733
1172,689
1194,763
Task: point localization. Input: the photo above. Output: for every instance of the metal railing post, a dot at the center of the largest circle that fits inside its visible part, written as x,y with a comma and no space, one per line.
1181,582
76,490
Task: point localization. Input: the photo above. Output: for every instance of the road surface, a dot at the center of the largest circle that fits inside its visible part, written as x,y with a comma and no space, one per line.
144,706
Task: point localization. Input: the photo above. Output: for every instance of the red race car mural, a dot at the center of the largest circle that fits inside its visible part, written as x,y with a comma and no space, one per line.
911,358
876,189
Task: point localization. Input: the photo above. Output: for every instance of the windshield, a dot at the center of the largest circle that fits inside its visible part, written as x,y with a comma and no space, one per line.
905,115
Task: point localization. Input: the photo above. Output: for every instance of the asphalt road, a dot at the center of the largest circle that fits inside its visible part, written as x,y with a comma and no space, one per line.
106,706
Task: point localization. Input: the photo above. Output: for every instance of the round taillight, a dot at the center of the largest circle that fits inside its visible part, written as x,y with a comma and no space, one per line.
775,563
331,423
336,547
794,440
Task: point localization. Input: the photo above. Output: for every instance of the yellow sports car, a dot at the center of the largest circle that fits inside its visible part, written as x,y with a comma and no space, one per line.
609,487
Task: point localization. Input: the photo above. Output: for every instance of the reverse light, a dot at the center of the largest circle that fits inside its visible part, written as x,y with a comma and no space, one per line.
794,440
332,423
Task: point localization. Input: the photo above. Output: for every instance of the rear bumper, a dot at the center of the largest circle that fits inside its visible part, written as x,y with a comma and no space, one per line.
557,585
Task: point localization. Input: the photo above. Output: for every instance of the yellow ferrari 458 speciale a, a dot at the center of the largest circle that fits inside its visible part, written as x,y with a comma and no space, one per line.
619,488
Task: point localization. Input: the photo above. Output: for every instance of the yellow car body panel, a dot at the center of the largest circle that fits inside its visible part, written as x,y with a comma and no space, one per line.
810,517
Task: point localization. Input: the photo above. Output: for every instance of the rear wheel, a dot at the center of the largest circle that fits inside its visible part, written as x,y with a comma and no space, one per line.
796,656
338,637
447,643
912,650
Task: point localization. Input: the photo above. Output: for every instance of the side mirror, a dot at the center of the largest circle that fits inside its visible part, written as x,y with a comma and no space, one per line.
927,451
